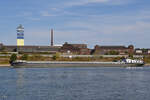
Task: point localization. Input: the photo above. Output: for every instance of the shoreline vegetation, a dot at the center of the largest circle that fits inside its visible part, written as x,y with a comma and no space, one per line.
7,59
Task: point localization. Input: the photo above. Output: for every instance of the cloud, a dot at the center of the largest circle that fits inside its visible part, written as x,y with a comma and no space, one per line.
106,2
91,25
84,2
41,37
34,19
46,14
109,29
62,8
106,29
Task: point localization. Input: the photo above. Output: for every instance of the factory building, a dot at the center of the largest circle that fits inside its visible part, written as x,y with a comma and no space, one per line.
143,51
31,49
80,49
39,49
113,50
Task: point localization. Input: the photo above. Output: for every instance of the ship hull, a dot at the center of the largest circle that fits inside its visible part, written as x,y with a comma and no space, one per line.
71,64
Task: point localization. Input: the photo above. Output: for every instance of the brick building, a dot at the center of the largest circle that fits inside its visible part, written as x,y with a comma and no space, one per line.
80,49
113,50
139,51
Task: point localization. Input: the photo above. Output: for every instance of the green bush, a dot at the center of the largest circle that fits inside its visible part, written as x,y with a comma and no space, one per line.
113,53
13,58
56,56
116,59
101,57
24,57
131,56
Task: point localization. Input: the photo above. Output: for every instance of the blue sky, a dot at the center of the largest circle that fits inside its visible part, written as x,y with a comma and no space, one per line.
102,22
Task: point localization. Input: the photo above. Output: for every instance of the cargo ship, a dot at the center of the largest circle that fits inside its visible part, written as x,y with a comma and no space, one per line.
46,64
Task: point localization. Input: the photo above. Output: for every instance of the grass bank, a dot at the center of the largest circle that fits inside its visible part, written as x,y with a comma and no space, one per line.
57,57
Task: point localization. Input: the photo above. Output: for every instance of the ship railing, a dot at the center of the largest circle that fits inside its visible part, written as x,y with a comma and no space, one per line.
65,62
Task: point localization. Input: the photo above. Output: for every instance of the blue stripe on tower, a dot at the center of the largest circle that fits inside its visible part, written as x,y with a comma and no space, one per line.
20,37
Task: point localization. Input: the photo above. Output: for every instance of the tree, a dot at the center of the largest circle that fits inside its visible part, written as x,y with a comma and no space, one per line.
116,59
24,57
131,56
13,58
101,57
122,58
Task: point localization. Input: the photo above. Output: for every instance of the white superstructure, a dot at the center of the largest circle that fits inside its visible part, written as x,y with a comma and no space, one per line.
135,61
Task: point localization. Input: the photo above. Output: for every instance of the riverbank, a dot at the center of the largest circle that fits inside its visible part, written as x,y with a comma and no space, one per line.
5,65
148,64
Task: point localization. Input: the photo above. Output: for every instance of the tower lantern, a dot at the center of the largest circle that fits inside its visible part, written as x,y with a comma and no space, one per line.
20,35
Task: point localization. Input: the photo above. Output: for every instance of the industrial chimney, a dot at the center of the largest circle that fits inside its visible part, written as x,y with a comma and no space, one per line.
52,40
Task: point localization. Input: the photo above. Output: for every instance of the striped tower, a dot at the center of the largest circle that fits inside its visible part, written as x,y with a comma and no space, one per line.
20,35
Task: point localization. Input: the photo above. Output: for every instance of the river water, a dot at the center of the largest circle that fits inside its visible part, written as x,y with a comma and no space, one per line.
90,83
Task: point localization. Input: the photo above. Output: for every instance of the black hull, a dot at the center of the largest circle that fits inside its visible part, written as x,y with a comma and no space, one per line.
68,64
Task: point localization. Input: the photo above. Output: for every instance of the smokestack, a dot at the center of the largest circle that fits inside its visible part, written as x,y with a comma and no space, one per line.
52,41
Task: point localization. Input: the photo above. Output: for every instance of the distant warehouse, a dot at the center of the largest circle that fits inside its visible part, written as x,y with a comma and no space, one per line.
113,50
30,49
79,49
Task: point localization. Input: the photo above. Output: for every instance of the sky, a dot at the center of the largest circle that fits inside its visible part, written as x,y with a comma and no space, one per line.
92,22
